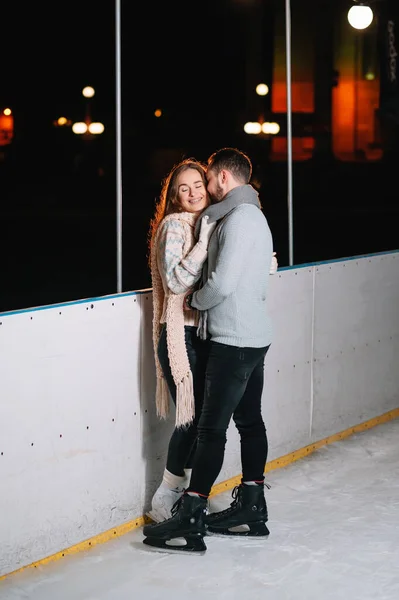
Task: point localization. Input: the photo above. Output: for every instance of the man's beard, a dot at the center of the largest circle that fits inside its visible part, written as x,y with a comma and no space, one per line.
218,195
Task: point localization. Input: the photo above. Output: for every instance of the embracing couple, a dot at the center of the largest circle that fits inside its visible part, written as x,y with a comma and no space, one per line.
211,254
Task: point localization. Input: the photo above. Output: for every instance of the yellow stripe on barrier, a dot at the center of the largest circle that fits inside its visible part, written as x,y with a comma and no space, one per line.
287,459
277,463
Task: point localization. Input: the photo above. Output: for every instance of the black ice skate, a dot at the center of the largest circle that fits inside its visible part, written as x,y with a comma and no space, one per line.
187,524
246,516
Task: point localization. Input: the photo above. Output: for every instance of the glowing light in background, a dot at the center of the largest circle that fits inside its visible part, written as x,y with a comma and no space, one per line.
262,89
96,128
255,128
88,92
6,126
158,112
360,16
252,128
79,128
271,128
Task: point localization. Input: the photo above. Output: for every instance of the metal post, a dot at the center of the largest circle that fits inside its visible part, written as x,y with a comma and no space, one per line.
118,147
289,128
356,99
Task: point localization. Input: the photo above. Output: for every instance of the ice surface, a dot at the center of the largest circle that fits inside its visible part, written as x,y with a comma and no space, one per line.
334,523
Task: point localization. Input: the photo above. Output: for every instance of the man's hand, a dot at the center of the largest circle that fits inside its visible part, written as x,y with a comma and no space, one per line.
206,231
274,265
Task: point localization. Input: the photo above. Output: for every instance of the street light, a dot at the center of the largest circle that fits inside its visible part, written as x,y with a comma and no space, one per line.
88,91
87,128
255,128
270,128
252,128
360,16
262,89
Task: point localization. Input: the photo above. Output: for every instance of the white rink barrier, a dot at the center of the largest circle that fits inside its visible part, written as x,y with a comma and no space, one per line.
81,448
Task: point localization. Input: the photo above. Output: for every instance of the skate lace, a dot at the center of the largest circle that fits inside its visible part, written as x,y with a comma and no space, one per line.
176,506
235,494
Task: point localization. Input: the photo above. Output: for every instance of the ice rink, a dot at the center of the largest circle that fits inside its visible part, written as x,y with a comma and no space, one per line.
334,523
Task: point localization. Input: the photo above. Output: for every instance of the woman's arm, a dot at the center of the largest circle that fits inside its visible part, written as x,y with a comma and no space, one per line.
179,273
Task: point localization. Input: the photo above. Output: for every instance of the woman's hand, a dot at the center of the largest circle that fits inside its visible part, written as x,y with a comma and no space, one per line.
206,231
274,265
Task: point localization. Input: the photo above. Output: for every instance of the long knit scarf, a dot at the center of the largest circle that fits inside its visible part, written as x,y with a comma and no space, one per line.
243,194
175,338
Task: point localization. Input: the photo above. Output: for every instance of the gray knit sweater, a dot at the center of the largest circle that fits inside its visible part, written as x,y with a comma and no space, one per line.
237,272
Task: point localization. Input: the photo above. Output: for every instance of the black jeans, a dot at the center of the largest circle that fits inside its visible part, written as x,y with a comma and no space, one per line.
182,444
233,388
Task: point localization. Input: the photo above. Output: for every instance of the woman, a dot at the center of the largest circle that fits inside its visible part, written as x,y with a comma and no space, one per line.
176,261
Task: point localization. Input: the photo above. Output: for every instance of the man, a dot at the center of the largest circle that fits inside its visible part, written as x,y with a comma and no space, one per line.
233,305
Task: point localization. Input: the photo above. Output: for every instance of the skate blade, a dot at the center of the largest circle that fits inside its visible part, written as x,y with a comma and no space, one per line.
254,530
181,545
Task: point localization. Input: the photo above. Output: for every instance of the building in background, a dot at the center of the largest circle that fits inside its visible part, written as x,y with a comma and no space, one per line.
345,101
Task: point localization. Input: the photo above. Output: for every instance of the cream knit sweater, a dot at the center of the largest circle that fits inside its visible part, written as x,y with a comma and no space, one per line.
176,265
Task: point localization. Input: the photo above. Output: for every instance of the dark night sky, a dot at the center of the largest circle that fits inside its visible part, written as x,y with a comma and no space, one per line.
186,58
58,214
172,56
51,48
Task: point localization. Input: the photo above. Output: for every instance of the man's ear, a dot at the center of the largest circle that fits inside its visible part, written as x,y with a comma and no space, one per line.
223,175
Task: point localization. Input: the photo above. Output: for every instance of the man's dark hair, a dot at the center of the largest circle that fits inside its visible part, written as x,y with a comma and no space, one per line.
232,160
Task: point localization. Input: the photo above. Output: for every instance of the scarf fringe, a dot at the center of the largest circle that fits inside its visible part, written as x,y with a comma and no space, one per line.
185,407
162,398
175,336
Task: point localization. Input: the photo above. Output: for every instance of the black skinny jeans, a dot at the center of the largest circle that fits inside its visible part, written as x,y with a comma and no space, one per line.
182,444
233,388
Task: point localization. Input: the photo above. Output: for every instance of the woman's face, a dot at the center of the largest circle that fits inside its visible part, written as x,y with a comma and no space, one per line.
191,191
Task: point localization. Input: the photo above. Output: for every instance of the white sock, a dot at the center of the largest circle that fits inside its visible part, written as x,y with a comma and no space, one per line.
250,482
172,481
188,476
